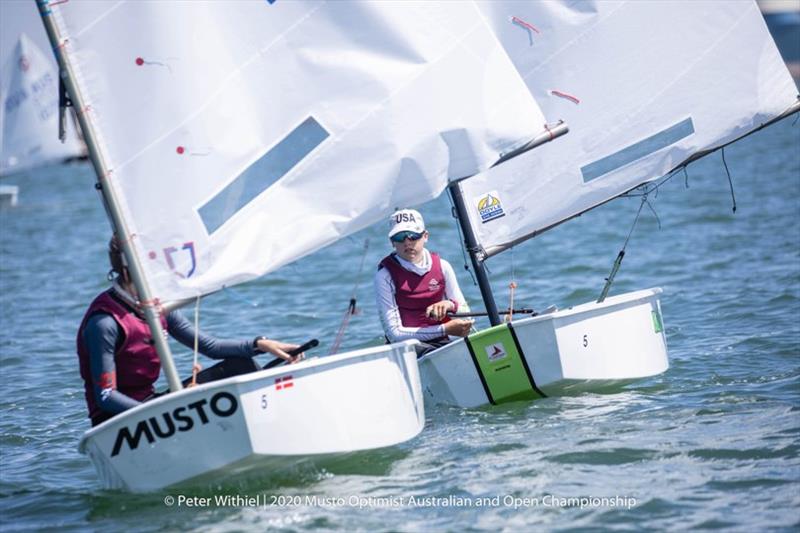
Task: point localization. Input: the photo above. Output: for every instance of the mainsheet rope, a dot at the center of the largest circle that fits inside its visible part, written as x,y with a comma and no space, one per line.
195,365
511,287
351,307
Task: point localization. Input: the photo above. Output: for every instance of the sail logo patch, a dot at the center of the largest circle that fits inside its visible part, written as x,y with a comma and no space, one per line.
182,262
490,207
496,351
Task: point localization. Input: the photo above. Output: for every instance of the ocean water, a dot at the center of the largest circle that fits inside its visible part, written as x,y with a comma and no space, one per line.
713,443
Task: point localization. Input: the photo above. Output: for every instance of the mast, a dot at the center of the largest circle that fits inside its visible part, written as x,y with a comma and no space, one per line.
476,253
110,199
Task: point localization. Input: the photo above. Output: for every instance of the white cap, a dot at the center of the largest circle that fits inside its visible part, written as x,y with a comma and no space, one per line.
406,220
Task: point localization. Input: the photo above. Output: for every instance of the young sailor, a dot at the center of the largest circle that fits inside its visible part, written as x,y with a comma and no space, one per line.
415,288
118,361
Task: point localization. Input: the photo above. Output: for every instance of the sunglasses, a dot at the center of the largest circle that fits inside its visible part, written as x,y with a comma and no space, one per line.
403,235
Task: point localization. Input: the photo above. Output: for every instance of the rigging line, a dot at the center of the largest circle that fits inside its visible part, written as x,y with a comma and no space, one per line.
461,240
351,310
647,188
621,254
360,268
653,210
511,286
674,172
730,181
351,307
513,268
195,366
235,296
635,220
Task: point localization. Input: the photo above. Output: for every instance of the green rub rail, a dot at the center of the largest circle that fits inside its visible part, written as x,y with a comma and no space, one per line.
501,366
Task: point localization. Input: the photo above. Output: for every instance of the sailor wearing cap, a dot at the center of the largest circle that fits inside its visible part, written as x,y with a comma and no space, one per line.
416,289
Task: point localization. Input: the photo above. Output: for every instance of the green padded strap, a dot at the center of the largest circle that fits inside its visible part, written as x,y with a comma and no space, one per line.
501,366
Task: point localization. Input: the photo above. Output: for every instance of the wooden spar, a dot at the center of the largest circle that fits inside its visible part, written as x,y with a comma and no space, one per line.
109,195
476,253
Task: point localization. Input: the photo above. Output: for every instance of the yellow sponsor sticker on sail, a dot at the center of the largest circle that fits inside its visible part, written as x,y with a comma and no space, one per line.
489,206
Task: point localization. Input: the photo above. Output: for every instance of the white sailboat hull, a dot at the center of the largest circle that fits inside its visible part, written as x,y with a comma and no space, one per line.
8,195
355,401
589,347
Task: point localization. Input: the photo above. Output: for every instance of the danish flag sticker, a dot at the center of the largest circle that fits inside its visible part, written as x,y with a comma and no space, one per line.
284,382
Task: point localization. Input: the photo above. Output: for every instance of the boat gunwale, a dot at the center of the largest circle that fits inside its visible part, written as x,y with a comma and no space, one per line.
313,363
612,301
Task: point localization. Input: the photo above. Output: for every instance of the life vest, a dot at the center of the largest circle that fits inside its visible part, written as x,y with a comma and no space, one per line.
414,293
136,360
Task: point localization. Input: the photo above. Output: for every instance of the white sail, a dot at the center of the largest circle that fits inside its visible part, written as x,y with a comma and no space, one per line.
644,86
29,111
241,136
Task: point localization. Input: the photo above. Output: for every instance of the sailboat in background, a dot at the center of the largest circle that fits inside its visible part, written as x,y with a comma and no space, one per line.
646,87
231,138
29,112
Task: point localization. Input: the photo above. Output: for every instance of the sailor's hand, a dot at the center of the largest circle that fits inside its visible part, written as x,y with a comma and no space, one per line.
280,349
458,327
439,310
196,368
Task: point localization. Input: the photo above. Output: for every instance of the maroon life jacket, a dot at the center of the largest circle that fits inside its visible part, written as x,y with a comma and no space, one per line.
136,360
414,293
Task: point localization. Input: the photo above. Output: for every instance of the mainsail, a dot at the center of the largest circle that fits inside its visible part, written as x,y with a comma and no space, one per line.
644,87
29,111
240,136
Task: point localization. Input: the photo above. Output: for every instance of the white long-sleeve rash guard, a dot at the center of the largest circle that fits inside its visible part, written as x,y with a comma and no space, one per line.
388,311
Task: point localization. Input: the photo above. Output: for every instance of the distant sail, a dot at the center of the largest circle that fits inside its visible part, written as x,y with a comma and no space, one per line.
643,86
29,111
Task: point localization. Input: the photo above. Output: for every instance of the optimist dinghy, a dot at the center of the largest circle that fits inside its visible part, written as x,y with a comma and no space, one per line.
272,419
646,88
232,138
590,347
29,116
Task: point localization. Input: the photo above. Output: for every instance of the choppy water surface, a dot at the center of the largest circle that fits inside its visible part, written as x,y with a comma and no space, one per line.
712,443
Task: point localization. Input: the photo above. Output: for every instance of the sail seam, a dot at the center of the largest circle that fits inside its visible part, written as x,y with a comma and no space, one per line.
97,20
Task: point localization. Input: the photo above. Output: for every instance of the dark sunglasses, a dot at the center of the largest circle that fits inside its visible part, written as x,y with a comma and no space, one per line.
403,235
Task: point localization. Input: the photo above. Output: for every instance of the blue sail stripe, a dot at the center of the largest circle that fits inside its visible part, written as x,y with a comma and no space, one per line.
259,176
641,149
